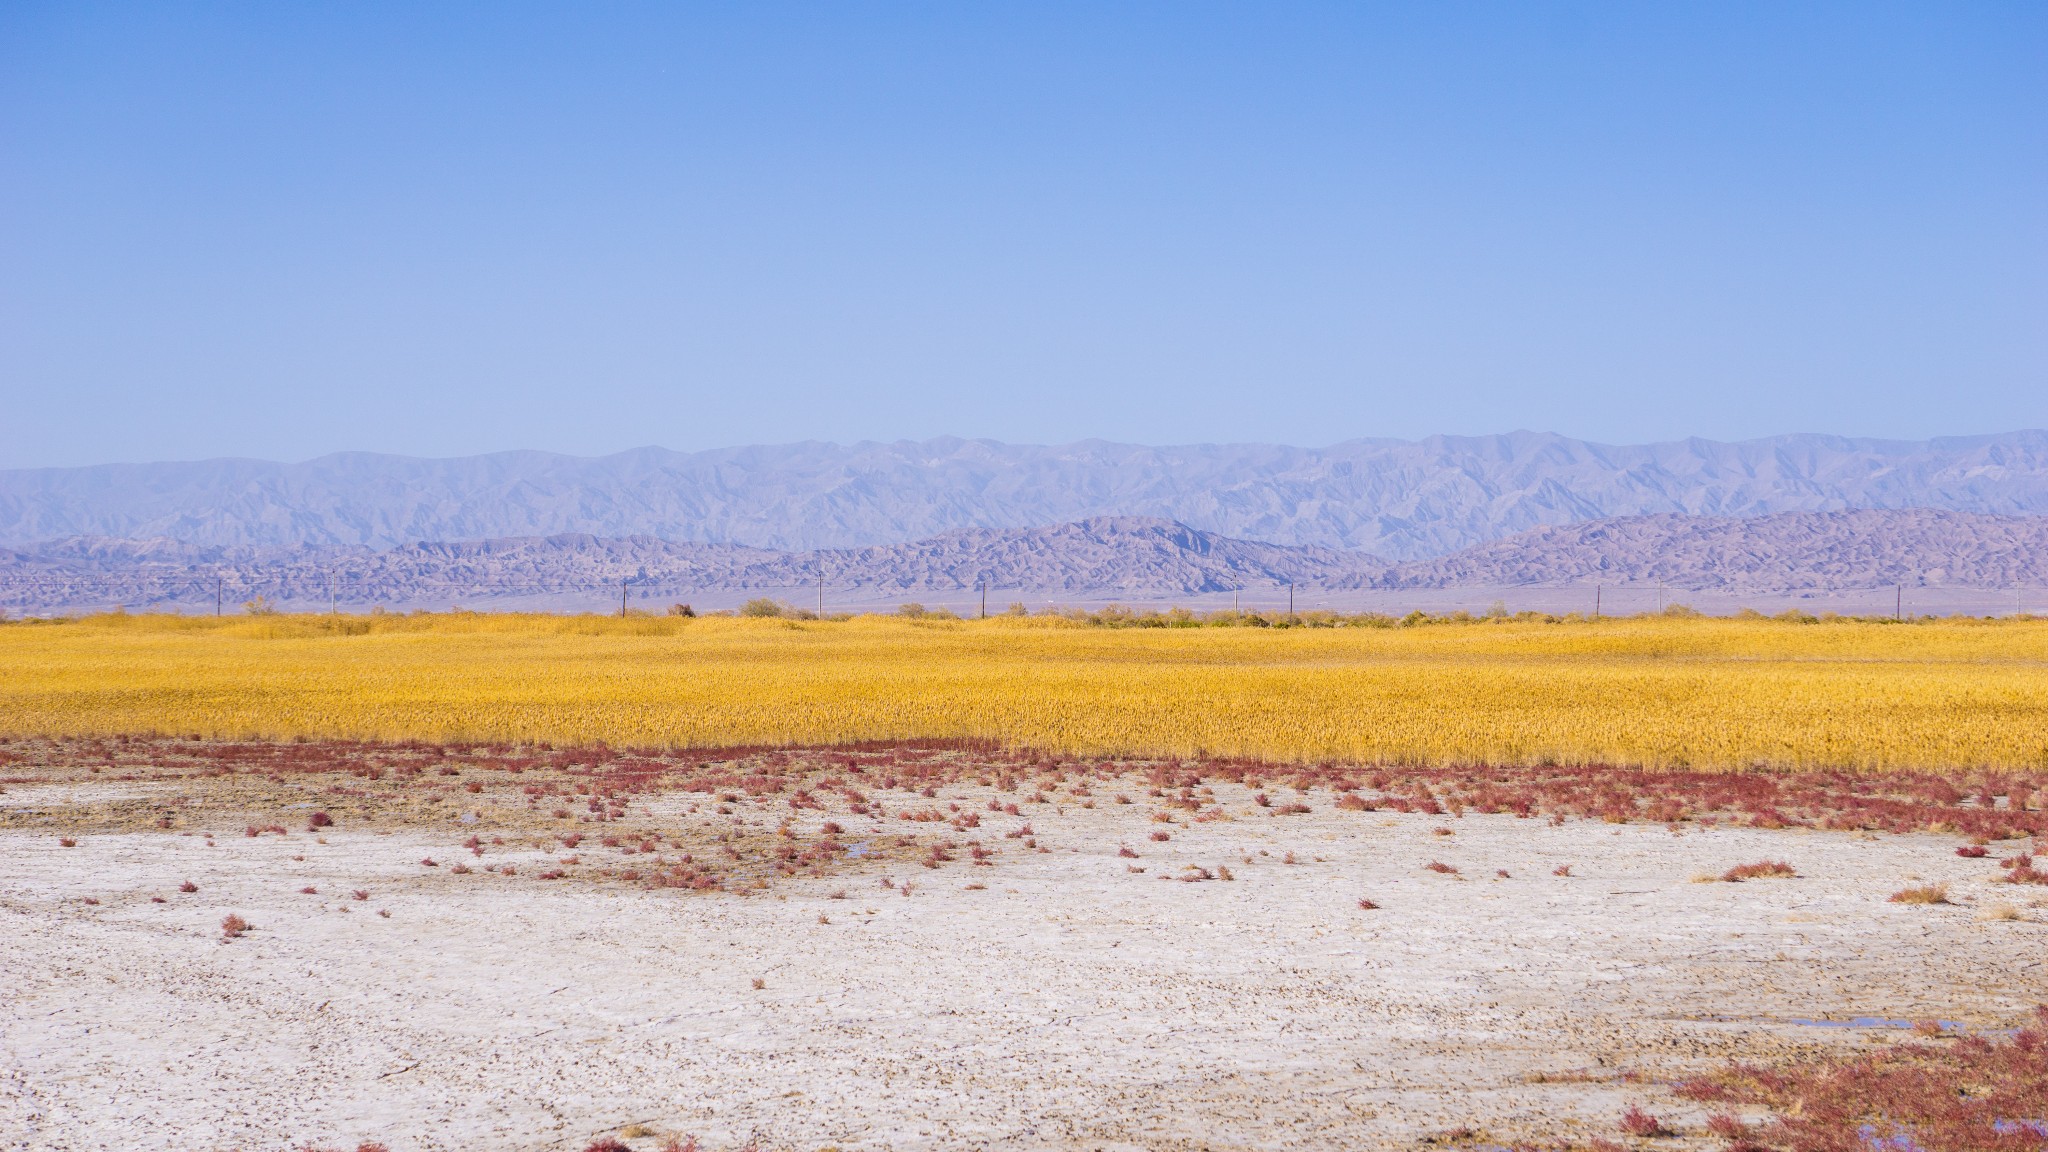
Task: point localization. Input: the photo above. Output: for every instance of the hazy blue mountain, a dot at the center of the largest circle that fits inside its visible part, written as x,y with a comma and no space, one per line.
1106,557
1130,556
1404,500
1782,552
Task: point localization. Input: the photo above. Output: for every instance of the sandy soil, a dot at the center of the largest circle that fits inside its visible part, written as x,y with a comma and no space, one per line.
1067,1003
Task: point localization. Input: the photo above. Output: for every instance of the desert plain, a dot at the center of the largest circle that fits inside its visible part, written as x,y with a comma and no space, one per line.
928,948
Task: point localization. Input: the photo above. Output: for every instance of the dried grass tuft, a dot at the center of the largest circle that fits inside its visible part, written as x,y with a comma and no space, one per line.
1921,894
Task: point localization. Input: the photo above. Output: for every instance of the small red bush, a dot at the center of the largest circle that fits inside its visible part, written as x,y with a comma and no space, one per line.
232,926
1637,1122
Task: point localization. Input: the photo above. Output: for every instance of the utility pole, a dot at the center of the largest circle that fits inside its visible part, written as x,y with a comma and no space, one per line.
330,595
1290,599
821,589
1898,602
1596,601
216,595
622,597
984,599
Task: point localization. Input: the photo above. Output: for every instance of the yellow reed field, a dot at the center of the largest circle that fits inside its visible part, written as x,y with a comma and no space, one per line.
1656,691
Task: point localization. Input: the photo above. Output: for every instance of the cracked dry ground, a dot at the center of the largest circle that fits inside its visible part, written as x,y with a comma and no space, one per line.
953,949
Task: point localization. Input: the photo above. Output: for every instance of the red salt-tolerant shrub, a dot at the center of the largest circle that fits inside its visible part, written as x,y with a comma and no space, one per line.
1637,1122
1726,1127
1973,851
1127,853
572,840
831,828
232,926
319,820
1441,868
1561,870
1368,905
1351,803
1975,1095
1162,836
2025,873
309,890
607,1144
360,894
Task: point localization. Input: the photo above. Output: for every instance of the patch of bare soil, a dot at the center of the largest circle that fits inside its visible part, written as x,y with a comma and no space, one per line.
946,948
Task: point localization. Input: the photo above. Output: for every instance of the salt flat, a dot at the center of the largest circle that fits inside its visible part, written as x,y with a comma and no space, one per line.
1069,1002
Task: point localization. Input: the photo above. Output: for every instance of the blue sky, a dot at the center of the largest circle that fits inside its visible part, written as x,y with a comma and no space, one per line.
280,230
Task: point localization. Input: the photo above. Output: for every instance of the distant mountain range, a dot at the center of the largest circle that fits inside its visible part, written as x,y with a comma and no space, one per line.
1784,552
1403,500
1133,557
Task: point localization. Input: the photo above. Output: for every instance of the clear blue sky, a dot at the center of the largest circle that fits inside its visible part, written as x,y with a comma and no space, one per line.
279,230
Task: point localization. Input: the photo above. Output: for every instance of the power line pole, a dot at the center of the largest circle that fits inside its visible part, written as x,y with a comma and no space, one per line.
622,597
821,589
1290,599
1898,602
984,599
216,595
1596,601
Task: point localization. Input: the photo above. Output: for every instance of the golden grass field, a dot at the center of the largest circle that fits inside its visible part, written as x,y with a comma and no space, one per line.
1651,691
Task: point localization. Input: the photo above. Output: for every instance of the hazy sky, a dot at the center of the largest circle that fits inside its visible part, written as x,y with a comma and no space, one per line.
279,230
